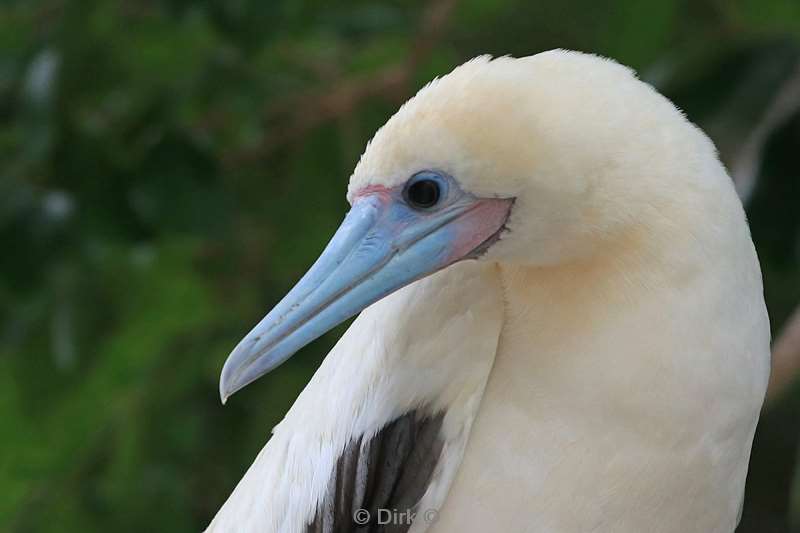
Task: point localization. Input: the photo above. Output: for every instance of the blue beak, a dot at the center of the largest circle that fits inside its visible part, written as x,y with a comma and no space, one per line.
382,245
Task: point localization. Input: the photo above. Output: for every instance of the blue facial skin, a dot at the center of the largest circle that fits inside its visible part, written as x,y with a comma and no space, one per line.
382,245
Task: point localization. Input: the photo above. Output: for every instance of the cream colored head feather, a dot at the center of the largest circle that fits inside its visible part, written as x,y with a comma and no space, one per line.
581,143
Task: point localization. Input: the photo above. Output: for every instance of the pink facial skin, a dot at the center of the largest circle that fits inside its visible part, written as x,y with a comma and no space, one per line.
472,232
373,189
479,226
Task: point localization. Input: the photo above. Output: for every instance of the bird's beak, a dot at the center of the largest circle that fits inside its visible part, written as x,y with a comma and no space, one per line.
381,246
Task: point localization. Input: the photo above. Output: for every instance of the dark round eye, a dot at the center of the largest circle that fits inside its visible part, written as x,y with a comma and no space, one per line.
423,193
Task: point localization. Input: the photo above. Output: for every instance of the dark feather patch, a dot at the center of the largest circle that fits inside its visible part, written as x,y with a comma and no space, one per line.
390,472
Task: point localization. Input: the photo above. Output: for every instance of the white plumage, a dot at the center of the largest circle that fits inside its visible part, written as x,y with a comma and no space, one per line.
600,368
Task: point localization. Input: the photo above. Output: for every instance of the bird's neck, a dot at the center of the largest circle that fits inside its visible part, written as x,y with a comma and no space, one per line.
631,381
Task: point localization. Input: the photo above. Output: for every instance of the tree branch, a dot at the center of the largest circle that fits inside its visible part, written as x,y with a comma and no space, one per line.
306,112
746,164
785,358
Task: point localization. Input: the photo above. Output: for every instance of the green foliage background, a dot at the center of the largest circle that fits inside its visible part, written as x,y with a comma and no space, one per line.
168,168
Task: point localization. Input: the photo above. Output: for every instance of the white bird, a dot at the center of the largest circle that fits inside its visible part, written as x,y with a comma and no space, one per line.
599,362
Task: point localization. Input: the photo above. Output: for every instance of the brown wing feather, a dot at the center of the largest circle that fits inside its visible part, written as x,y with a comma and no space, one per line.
391,471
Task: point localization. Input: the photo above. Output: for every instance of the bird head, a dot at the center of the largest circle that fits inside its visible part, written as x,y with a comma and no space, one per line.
533,161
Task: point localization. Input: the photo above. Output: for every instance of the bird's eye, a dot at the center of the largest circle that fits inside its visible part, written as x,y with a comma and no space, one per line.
423,193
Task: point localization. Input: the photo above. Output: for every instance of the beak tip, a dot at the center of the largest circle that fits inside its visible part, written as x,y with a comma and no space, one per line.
223,393
227,384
